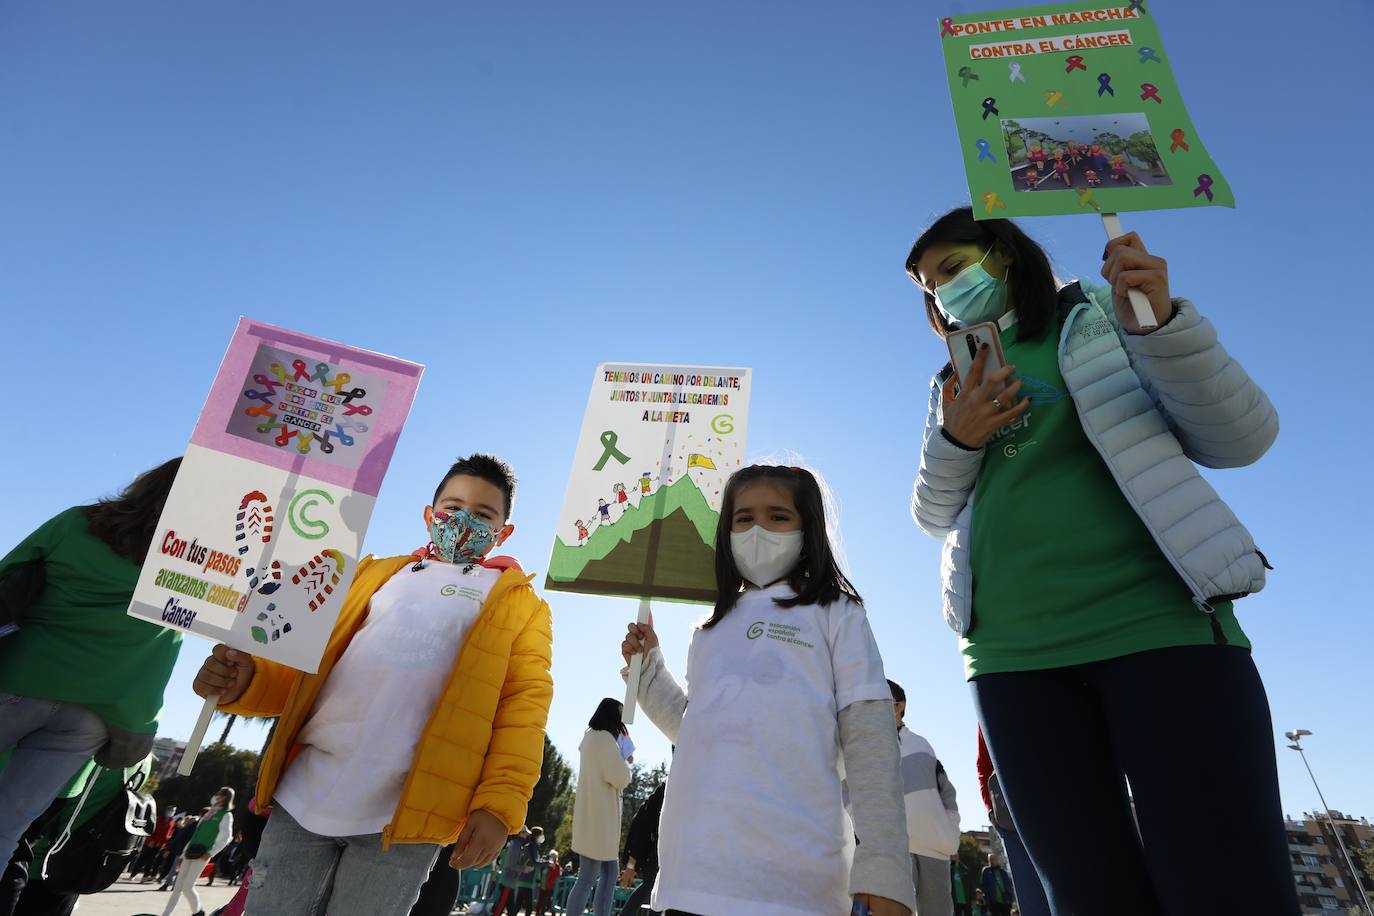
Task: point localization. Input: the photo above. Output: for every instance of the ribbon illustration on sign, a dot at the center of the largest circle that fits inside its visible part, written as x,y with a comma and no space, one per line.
608,440
990,200
1075,62
1147,54
946,26
1204,186
1104,84
985,151
966,74
1177,136
1015,67
989,107
1054,97
1150,91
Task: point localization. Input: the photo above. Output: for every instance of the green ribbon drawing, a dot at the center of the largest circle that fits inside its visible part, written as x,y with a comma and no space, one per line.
609,439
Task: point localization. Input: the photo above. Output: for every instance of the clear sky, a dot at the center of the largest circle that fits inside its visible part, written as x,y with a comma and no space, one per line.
512,193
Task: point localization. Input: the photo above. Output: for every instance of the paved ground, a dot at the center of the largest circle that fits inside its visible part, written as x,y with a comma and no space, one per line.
126,898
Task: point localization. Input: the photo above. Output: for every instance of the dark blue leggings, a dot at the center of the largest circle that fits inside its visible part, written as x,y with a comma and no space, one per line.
1189,727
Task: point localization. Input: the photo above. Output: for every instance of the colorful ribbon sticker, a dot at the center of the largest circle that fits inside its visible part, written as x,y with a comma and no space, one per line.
1150,91
1204,186
990,200
339,381
1149,54
1085,198
1054,97
985,151
1104,84
1075,62
1177,136
1015,71
608,440
966,74
1136,6
946,26
321,373
989,107
302,373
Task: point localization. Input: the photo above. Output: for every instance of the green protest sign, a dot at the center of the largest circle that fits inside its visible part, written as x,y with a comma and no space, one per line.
1073,108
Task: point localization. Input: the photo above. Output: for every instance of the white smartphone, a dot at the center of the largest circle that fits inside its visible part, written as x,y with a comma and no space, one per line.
964,345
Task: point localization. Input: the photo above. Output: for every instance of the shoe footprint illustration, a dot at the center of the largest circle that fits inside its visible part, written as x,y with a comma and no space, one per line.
319,576
254,522
271,625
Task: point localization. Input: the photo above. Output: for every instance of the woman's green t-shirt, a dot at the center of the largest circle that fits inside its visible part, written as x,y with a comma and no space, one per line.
1064,570
77,643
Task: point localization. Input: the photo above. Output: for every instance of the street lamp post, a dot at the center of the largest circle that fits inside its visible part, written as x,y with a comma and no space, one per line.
1296,737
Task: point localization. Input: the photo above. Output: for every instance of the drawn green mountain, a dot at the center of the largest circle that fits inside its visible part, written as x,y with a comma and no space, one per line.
662,548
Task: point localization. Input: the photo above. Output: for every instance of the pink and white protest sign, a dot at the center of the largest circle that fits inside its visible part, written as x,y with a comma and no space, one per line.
262,531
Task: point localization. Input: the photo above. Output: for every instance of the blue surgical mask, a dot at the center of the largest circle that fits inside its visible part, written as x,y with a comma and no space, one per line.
460,537
973,296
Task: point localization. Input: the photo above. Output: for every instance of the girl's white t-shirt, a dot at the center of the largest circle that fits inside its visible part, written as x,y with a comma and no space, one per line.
360,740
753,820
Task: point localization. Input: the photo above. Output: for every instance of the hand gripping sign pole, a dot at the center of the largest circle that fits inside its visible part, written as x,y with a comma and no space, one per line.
636,668
1140,303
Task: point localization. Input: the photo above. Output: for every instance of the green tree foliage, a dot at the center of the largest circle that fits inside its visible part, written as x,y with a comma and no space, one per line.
552,800
218,765
972,858
643,782
1112,142
1141,147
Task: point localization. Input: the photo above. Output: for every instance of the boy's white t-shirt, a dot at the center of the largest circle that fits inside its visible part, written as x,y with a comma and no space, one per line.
360,739
753,820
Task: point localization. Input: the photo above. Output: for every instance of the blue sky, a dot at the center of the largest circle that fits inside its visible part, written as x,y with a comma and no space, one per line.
511,194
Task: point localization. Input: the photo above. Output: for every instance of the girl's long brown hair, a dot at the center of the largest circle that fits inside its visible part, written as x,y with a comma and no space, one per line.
127,522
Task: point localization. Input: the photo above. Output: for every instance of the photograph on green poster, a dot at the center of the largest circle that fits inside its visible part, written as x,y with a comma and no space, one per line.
1090,151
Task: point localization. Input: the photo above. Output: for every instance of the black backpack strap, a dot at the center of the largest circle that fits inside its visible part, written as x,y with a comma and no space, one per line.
1069,296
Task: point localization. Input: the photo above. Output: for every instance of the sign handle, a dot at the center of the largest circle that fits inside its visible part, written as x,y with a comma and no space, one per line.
636,665
188,758
1144,315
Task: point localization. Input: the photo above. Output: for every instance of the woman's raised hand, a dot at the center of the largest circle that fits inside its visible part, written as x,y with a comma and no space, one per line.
985,403
640,637
1127,266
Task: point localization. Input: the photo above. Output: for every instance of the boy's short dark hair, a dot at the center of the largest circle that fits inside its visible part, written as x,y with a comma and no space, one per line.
898,693
484,467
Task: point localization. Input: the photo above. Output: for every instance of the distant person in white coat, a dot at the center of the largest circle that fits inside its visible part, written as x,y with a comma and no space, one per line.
596,810
932,816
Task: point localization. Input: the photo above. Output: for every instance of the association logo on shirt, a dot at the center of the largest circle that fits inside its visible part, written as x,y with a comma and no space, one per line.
448,591
779,632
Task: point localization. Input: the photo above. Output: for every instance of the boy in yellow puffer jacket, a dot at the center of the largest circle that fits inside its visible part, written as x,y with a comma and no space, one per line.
424,723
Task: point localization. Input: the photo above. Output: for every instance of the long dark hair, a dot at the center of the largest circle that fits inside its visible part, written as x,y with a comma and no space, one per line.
607,718
128,521
816,579
1032,289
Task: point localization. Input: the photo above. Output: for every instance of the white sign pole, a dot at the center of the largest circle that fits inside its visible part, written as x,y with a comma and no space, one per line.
188,758
1139,302
636,665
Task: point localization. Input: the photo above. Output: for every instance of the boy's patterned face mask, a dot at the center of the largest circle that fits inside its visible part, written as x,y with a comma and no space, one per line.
460,537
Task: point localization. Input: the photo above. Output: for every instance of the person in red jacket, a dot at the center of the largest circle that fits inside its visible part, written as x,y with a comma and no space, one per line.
552,873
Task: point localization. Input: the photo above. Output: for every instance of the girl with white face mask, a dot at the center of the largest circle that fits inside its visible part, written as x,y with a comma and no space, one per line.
787,691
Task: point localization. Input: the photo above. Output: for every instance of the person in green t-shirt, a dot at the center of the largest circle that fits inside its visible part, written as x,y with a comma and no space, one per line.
1090,570
80,677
